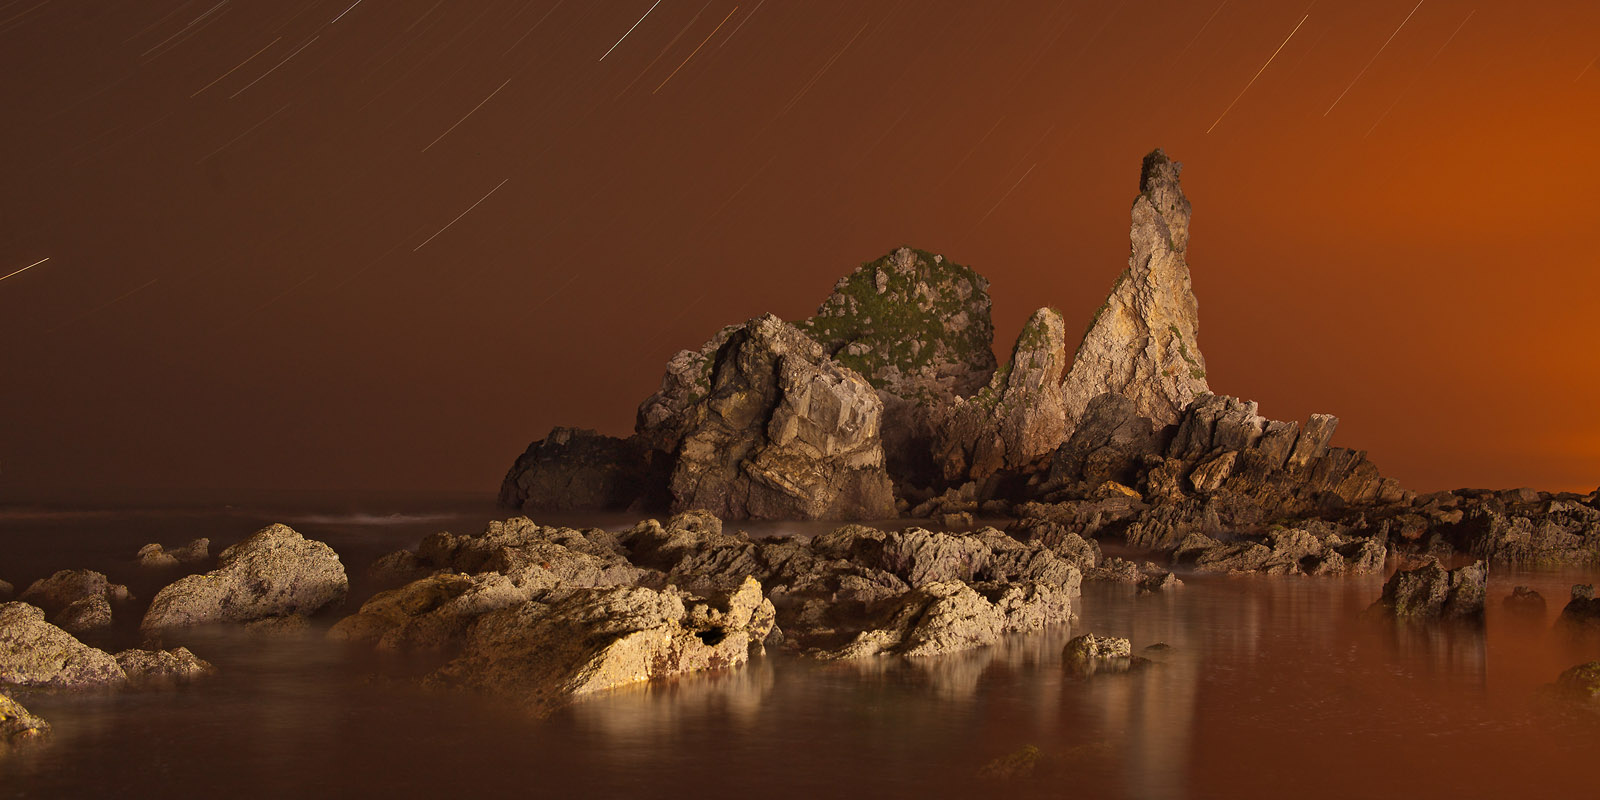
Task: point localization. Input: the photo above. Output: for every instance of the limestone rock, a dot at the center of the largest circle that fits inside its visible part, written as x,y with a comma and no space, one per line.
1144,342
77,600
35,653
544,655
1086,655
786,433
274,573
156,668
1019,418
18,726
154,556
1433,592
665,417
575,469
1109,443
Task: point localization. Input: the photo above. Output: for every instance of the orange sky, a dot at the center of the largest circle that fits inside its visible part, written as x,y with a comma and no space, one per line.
255,279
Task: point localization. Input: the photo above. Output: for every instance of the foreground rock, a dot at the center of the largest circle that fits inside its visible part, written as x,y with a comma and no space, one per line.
18,726
154,556
274,573
543,655
77,600
35,653
1433,592
1581,684
160,668
1086,655
946,617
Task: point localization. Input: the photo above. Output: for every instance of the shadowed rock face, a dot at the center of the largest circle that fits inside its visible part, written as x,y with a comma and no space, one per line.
786,432
1144,343
1019,418
581,469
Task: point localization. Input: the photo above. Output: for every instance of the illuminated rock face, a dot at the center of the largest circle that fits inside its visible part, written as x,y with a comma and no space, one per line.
1144,342
273,574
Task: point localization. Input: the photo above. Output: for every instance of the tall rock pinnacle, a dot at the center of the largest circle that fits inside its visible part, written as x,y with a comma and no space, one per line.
1144,342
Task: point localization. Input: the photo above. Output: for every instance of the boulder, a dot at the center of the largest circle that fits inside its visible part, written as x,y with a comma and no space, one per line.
543,655
35,653
1433,592
1019,419
154,556
575,469
1525,601
430,614
1583,609
77,600
18,726
157,668
1581,684
786,432
274,573
1086,655
1144,341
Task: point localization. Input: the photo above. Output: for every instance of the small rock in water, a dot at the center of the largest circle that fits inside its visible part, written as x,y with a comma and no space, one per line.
274,573
1583,608
1086,655
1524,600
77,600
1433,592
153,668
35,653
1581,684
1020,764
18,726
154,556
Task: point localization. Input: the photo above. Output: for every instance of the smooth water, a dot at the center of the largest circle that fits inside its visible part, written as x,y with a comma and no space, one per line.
1272,687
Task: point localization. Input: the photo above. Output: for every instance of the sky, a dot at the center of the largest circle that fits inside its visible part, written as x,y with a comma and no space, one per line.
385,244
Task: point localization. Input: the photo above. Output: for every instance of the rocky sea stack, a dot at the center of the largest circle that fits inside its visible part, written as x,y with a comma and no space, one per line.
890,402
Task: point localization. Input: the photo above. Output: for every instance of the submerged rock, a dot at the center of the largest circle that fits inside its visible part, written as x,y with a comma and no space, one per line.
1581,684
35,653
543,655
1433,592
18,726
1524,600
1086,655
155,668
1144,342
154,556
1011,766
274,573
77,600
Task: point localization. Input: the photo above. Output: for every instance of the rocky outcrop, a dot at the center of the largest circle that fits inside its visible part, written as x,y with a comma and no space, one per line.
786,432
1109,444
77,600
35,653
18,726
1018,419
1144,341
542,655
574,469
274,573
950,616
665,417
1087,655
1433,592
1310,550
148,669
154,556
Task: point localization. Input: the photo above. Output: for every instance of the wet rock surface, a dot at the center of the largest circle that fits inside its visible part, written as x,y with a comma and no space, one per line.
1088,655
1430,592
18,726
159,668
35,653
274,573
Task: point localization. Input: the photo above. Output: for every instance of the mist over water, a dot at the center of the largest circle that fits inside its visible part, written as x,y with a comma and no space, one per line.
1271,687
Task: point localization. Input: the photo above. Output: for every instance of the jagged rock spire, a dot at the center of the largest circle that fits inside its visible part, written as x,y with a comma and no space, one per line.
1144,341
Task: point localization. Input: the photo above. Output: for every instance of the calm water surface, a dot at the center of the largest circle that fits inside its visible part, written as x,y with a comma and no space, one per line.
1273,687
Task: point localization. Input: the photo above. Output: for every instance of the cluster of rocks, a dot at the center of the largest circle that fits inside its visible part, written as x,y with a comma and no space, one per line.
889,401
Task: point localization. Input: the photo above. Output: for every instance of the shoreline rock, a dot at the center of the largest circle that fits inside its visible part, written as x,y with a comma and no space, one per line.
274,573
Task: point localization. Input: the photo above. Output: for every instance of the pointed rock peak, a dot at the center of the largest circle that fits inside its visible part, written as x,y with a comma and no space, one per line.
1144,341
912,323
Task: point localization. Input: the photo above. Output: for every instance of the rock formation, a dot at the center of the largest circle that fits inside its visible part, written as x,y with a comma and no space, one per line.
77,600
35,653
785,432
1086,655
274,573
154,556
581,469
18,726
1433,592
1144,341
161,668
